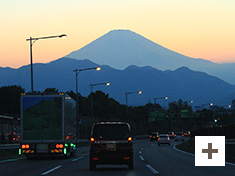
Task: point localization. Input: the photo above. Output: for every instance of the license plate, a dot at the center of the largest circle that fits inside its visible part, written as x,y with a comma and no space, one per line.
110,146
42,151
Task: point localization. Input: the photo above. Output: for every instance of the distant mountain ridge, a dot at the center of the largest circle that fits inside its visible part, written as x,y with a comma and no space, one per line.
121,48
181,83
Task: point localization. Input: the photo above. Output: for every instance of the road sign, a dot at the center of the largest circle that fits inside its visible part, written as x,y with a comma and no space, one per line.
157,116
185,113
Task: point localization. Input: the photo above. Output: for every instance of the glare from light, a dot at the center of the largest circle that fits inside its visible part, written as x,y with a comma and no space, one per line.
107,84
98,68
140,92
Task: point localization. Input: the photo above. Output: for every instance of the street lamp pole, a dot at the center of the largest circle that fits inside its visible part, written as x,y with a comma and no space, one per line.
93,85
127,93
77,71
32,41
211,104
155,99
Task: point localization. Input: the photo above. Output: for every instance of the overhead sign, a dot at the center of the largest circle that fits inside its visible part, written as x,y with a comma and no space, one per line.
157,116
185,113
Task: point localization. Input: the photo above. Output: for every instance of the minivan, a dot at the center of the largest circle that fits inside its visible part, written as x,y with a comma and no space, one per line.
111,143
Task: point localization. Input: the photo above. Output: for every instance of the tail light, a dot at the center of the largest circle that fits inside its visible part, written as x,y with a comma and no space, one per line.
168,139
159,139
92,139
59,146
96,159
150,135
182,134
126,158
129,139
25,146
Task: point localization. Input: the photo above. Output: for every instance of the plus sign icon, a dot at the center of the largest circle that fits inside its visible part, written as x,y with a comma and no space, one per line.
209,150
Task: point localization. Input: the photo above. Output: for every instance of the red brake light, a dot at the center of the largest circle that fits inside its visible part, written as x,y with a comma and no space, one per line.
92,139
129,139
126,158
150,135
168,139
159,139
95,158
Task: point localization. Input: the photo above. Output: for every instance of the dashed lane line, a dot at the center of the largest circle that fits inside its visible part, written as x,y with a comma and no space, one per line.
51,170
78,158
152,169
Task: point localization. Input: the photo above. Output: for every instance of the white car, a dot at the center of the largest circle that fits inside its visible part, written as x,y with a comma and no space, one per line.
164,139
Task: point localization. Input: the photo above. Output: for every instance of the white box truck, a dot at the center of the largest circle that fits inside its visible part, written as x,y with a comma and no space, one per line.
48,125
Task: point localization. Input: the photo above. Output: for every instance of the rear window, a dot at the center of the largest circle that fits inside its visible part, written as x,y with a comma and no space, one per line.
111,132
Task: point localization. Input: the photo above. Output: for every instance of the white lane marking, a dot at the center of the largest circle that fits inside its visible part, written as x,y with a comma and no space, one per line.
231,164
9,160
78,158
141,157
182,151
152,169
47,172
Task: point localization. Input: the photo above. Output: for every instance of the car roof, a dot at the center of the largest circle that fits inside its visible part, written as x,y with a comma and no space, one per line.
163,135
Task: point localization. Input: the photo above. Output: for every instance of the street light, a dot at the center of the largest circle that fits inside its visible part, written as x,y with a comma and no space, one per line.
77,71
93,85
127,93
159,98
202,105
32,41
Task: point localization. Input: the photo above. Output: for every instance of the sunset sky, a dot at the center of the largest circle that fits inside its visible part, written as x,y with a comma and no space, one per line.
195,28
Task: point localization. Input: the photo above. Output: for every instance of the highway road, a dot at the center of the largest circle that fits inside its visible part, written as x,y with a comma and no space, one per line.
149,159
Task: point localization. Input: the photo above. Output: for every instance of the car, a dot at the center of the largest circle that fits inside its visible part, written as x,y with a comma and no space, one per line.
164,139
111,143
171,134
153,136
179,136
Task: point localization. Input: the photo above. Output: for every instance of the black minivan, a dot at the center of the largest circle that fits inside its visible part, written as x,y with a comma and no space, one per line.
111,143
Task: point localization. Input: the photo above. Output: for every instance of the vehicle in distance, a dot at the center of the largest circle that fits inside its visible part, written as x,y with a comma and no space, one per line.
164,139
179,136
153,136
111,143
47,125
171,134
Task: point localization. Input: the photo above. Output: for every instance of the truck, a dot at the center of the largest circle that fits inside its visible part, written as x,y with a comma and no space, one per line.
48,125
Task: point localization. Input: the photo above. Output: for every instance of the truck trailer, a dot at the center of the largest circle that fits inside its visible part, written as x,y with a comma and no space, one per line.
48,125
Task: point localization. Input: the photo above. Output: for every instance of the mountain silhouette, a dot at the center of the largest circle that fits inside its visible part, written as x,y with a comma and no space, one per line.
182,83
121,48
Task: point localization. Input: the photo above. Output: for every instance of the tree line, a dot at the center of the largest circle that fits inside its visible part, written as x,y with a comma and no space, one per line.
108,109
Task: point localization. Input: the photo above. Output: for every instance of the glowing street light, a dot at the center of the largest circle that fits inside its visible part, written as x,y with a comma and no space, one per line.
127,93
32,41
77,71
93,85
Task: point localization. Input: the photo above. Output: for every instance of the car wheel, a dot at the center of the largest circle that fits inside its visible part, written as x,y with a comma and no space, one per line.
130,165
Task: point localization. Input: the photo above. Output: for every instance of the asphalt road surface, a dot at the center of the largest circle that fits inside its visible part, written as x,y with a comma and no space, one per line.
149,159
